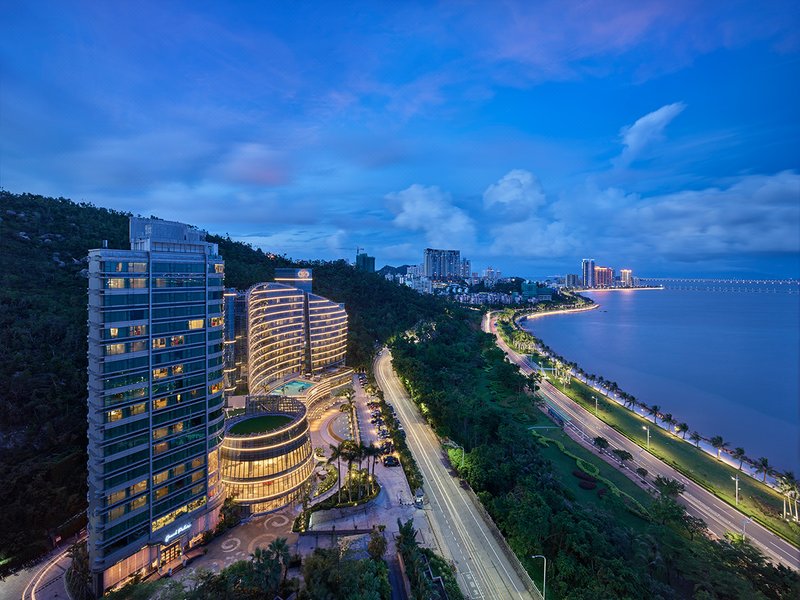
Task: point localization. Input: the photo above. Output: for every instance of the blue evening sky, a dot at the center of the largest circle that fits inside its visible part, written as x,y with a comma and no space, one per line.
663,136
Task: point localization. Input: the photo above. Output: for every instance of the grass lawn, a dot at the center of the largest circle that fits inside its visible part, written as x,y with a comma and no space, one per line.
260,424
564,465
757,500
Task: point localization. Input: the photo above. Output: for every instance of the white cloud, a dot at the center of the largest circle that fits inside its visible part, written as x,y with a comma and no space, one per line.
431,211
517,194
637,138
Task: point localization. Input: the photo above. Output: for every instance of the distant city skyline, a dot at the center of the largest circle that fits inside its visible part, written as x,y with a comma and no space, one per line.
659,135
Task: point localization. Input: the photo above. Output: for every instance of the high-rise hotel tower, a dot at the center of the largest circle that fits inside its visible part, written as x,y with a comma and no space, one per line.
155,398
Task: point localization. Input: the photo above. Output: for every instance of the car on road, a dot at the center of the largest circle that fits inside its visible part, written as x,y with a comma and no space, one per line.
390,461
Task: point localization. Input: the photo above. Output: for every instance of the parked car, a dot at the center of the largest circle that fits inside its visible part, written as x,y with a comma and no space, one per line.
390,461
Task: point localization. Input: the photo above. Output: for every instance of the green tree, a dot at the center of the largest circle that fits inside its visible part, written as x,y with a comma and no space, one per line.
376,546
601,443
622,455
669,487
718,443
763,466
739,454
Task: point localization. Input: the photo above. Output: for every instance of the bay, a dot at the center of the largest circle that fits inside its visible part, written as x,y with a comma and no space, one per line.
724,359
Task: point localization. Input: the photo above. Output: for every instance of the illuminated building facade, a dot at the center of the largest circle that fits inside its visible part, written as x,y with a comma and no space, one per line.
587,271
603,277
275,333
155,397
442,264
626,278
266,454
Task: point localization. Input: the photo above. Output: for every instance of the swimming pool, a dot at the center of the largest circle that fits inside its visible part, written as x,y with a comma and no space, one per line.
293,388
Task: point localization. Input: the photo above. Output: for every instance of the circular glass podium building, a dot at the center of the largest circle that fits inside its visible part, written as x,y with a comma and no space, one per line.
266,454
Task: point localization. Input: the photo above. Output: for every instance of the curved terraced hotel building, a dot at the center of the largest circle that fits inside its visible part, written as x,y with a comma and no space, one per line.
292,332
266,455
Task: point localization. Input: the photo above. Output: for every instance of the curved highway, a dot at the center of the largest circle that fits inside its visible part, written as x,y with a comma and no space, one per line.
718,515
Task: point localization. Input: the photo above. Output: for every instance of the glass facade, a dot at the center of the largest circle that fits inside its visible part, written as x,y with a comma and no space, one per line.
155,387
266,470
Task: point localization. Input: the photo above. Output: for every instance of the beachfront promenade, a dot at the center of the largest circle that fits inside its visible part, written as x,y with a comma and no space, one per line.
718,515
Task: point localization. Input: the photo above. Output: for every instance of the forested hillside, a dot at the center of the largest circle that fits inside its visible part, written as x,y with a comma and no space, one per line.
44,242
603,536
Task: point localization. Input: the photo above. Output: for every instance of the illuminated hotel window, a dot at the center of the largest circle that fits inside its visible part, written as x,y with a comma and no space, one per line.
159,433
115,283
179,470
196,323
139,487
116,513
219,268
112,349
138,409
113,415
176,340
161,492
160,403
159,343
160,447
138,282
197,476
177,369
197,462
160,477
138,346
137,329
217,321
139,502
113,332
115,497
159,373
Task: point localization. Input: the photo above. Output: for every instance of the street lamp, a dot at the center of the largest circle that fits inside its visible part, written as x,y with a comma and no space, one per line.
595,405
736,479
544,574
744,526
647,429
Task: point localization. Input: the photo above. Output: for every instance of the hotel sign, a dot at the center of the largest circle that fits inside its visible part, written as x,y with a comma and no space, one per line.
303,274
176,532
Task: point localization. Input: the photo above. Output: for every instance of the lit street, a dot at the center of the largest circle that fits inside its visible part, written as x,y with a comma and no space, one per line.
484,569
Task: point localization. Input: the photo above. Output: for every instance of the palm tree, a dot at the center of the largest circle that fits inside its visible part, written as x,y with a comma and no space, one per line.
336,455
718,443
668,419
738,454
696,437
280,550
372,452
682,428
350,453
653,410
763,466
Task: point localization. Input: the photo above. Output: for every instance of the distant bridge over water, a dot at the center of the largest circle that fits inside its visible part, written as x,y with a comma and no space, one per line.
790,286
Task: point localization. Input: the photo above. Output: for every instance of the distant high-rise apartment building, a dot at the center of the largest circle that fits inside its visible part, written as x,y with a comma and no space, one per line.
603,277
155,398
572,280
442,264
466,268
626,277
365,263
587,271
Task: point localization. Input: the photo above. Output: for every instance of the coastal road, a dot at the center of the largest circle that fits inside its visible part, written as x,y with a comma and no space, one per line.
483,569
718,515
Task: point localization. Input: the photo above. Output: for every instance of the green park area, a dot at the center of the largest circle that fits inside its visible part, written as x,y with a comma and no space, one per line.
611,490
261,424
756,499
